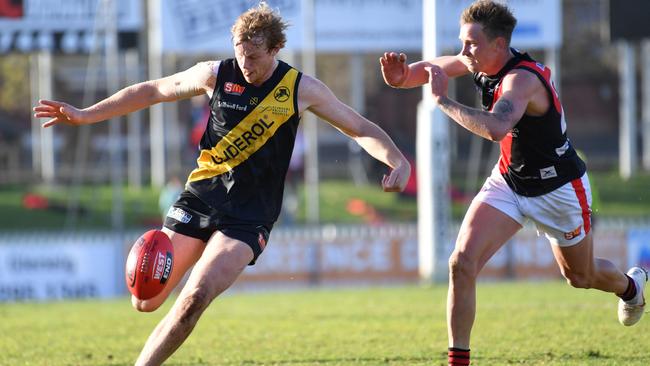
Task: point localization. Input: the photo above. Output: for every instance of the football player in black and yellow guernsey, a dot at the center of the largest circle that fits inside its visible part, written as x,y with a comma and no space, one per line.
222,220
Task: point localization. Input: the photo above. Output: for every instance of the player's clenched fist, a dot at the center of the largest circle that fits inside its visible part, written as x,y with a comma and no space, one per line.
438,81
396,180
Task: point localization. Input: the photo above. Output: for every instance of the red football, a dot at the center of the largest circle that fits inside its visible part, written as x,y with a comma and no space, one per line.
149,264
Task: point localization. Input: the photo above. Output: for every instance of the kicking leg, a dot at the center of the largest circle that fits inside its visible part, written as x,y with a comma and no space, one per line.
222,261
187,251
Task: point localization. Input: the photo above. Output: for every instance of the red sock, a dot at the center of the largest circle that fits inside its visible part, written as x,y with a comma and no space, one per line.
458,356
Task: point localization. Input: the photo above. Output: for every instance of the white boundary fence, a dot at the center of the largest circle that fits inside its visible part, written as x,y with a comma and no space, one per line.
53,265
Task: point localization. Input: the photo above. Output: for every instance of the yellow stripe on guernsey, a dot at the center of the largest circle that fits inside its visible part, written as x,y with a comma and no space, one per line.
250,134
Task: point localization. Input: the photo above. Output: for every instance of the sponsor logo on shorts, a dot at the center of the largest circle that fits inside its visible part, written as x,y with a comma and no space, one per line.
547,173
261,240
179,215
262,236
573,234
234,89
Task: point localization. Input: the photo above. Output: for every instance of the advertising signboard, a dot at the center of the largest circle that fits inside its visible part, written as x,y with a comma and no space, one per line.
348,25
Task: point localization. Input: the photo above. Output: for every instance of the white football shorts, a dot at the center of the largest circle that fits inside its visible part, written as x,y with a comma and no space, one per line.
563,215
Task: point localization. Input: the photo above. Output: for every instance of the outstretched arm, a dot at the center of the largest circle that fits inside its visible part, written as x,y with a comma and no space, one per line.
194,81
318,98
517,89
398,74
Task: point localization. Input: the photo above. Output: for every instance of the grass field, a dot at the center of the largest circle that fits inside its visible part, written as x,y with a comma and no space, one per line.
517,323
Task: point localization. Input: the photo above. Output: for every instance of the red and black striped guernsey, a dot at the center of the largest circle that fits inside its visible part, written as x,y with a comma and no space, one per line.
536,155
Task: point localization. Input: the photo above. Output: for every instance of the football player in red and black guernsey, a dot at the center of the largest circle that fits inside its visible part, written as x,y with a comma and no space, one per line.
538,177
223,219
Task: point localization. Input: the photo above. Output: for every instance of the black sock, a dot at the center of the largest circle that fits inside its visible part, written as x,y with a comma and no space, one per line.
630,292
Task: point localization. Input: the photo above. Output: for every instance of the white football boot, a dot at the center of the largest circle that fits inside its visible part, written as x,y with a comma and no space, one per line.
630,312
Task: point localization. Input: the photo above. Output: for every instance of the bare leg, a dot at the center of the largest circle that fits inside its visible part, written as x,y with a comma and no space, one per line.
582,270
484,230
219,266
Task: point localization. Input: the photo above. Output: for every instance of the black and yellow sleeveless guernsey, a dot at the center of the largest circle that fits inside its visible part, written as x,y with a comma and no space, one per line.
536,155
247,144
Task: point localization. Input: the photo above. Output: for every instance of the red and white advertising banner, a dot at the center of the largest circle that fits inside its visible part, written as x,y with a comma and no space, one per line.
381,256
61,266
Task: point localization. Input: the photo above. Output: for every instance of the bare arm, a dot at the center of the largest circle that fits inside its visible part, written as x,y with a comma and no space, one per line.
319,99
517,88
196,80
398,74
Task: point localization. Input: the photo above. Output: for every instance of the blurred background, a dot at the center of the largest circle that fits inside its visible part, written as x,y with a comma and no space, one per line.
70,196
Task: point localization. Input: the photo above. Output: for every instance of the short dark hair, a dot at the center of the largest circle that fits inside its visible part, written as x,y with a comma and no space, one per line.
261,21
497,19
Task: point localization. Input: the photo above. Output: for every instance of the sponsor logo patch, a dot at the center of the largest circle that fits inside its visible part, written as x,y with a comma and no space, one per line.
281,94
234,89
514,132
235,106
572,234
563,149
179,215
547,173
262,236
243,142
261,240
277,110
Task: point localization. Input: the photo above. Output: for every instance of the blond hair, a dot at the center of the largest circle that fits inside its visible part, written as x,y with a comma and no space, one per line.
495,18
261,23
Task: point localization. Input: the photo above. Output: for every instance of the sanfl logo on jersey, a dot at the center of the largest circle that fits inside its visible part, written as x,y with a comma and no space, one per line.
234,89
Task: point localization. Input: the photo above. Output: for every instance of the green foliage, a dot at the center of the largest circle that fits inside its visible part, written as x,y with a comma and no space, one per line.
517,323
340,202
94,204
622,198
338,198
14,83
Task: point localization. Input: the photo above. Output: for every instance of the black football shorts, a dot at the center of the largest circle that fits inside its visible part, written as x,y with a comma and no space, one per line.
192,217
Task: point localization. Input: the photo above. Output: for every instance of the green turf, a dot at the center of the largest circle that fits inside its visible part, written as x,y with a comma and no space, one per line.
517,323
